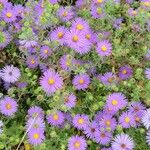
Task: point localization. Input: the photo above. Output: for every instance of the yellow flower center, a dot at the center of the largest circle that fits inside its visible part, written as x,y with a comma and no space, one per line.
88,36
108,123
65,14
80,27
68,63
104,48
8,106
81,121
55,117
75,38
134,12
51,81
32,61
77,144
114,102
102,135
99,11
110,80
127,119
46,51
60,35
124,71
9,15
36,136
146,4
81,81
99,1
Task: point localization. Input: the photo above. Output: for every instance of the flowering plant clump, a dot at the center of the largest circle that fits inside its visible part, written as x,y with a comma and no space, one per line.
75,75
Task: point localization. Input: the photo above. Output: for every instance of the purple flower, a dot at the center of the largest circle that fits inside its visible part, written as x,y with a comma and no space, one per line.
136,107
116,101
129,1
91,129
10,74
54,1
148,137
77,143
104,48
76,40
103,137
98,116
117,23
45,52
56,118
147,73
81,81
107,148
109,110
21,84
148,54
145,4
146,118
5,39
35,123
59,35
80,3
66,62
108,122
80,25
36,111
51,81
132,12
36,137
9,15
65,13
32,61
70,100
125,72
109,78
8,106
80,121
122,142
127,120
138,117
97,12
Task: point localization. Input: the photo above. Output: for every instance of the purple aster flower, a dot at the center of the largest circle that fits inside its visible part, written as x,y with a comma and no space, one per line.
54,1
10,74
21,84
116,101
108,122
19,10
148,137
80,121
68,117
77,143
127,120
98,116
36,137
138,118
35,111
43,67
70,100
117,23
98,2
7,85
132,12
59,35
28,43
145,4
5,39
148,55
107,148
125,72
122,142
66,62
109,110
9,15
103,137
8,106
81,81
51,81
80,3
80,25
32,61
56,118
45,52
31,50
109,78
91,129
97,12
76,40
104,48
147,73
136,107
35,123
65,13
146,118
